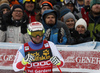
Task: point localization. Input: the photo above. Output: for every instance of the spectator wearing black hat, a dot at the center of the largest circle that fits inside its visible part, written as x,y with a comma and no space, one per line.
5,8
70,4
16,26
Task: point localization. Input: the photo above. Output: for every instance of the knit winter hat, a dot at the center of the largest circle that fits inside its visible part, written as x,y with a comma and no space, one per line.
4,5
17,6
46,3
64,11
68,16
93,2
81,21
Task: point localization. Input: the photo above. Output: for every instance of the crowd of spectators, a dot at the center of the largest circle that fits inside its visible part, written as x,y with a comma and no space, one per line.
66,22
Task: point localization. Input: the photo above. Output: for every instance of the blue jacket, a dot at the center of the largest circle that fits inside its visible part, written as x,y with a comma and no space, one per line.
54,29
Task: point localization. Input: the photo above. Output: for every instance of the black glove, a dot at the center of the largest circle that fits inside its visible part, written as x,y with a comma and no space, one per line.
75,34
2,24
97,35
47,34
60,35
24,23
87,8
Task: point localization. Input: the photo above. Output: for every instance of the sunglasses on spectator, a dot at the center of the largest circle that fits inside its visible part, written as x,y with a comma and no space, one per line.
18,11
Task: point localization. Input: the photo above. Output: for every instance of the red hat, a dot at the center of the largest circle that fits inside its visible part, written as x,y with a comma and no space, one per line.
46,3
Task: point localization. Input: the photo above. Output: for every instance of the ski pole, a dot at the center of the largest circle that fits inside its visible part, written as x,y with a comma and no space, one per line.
59,69
25,68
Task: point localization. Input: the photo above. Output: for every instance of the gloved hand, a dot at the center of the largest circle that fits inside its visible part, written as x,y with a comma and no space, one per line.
28,59
87,8
97,35
55,60
47,34
60,35
75,34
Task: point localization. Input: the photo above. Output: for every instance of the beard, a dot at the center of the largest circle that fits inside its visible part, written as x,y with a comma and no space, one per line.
96,13
50,23
37,42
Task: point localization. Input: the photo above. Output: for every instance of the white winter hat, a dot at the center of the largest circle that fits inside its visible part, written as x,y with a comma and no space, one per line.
81,21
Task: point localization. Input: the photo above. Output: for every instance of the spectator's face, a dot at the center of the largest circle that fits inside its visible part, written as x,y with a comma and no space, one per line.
17,14
5,10
70,6
80,29
29,6
96,9
50,20
80,2
87,2
70,23
37,40
45,8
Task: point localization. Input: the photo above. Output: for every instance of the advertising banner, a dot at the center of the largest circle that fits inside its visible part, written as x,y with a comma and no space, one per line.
76,59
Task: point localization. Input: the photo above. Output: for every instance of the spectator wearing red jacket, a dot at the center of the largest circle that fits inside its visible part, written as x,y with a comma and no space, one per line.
29,6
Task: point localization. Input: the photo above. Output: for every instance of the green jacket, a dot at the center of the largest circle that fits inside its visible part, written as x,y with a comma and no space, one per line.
94,24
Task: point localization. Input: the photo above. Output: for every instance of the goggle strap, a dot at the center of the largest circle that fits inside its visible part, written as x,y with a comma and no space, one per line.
43,30
28,32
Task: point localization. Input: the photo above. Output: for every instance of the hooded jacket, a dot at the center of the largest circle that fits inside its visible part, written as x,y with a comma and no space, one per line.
54,28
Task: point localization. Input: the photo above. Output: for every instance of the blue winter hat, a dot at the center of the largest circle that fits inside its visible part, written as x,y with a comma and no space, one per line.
64,11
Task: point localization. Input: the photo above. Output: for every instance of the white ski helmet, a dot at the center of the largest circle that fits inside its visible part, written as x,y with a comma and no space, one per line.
35,26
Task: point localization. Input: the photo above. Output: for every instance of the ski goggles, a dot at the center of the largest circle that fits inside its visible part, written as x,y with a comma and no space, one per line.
28,1
67,1
36,33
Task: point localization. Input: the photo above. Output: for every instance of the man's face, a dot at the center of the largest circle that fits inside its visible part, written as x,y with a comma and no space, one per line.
45,8
80,2
37,39
96,9
70,6
87,2
17,14
50,20
29,6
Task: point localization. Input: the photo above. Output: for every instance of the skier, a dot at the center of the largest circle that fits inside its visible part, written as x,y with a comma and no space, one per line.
38,55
